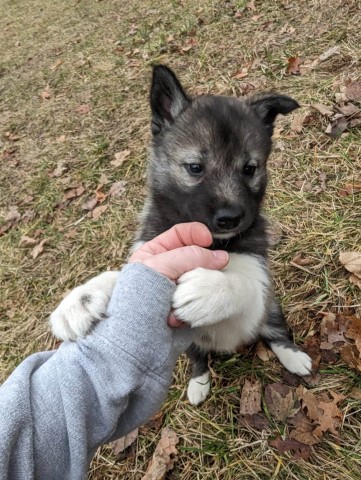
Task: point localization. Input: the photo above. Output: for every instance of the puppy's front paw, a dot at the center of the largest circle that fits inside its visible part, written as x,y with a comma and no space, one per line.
203,297
83,307
198,389
294,360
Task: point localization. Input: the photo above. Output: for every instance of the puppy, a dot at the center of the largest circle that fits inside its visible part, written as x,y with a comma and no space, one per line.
208,163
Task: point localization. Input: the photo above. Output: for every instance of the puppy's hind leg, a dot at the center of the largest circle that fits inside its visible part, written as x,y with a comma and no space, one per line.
199,384
275,334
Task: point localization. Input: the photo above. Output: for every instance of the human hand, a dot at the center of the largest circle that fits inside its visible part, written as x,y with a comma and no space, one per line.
178,251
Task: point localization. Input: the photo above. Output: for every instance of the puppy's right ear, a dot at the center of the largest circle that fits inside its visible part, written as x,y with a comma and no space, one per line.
167,98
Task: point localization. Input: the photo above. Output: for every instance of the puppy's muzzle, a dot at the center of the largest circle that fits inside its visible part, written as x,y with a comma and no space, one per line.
228,218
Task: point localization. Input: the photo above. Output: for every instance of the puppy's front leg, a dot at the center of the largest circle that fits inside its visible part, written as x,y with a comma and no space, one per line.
205,297
83,307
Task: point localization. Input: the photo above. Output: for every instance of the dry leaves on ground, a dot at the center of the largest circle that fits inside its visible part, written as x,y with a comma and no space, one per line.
125,446
280,401
250,406
38,249
293,66
59,170
343,114
300,450
342,334
98,211
317,415
120,157
70,194
352,262
164,456
82,109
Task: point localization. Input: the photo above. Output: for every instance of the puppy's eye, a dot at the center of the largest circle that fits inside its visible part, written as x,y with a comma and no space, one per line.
194,169
249,170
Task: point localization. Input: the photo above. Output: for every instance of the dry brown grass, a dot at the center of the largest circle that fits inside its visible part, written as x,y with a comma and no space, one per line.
99,53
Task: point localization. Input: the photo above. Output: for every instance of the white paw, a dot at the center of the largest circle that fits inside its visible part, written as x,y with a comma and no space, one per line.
203,297
83,307
295,361
198,389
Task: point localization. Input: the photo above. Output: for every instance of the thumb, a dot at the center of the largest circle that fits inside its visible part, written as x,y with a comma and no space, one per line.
174,263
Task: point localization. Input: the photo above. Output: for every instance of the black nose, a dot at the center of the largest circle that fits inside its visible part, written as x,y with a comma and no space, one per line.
229,218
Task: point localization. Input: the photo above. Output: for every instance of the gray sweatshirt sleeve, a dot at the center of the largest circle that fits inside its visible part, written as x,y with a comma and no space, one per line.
58,407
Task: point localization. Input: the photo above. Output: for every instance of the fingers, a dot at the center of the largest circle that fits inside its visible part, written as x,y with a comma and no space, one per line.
180,235
174,263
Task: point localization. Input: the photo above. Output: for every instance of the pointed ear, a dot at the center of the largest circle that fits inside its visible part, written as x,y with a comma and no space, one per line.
167,98
267,106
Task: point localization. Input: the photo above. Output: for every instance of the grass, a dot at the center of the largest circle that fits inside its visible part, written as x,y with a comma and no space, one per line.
99,53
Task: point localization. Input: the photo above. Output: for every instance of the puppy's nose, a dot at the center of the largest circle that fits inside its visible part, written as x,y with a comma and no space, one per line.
229,218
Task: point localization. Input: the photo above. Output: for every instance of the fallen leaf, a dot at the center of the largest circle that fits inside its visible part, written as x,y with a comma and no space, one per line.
312,346
336,127
355,280
73,192
352,262
38,249
118,189
12,136
355,393
82,109
13,215
56,65
99,195
353,91
263,353
293,66
331,331
250,401
28,215
154,423
61,138
329,53
98,211
5,227
27,199
120,158
27,242
258,421
323,178
189,44
69,194
332,417
280,401
354,122
323,109
348,110
45,95
353,330
300,260
242,73
297,122
121,446
274,233
291,445
303,429
90,204
164,456
59,170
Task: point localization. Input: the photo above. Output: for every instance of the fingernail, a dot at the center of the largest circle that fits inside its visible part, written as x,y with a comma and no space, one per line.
221,255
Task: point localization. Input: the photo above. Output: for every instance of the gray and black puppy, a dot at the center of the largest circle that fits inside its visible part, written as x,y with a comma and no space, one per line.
208,164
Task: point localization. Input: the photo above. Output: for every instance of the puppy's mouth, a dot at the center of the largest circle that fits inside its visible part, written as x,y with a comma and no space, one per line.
226,234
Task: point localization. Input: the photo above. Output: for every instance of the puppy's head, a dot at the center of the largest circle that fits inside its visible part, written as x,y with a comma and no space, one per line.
209,153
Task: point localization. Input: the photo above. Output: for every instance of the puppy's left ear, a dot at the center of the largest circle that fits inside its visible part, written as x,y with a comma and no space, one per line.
268,106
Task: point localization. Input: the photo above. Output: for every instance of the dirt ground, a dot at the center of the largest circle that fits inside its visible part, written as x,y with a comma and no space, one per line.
74,81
